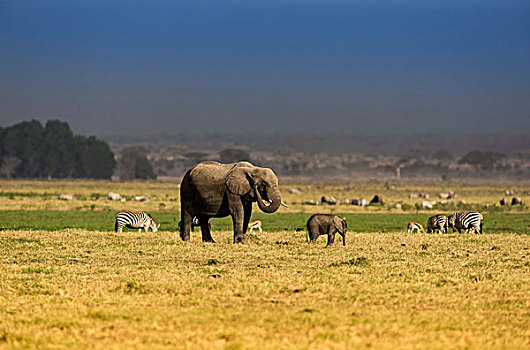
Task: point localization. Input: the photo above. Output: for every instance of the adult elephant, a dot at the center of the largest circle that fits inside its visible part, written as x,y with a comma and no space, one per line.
211,189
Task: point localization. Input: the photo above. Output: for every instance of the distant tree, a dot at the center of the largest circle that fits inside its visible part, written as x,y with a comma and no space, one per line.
523,154
444,155
8,166
284,151
195,156
232,155
24,141
59,158
28,149
96,158
484,160
144,169
133,164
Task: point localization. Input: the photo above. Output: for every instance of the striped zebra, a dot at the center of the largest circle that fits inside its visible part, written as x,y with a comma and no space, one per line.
467,220
133,219
413,225
437,222
255,224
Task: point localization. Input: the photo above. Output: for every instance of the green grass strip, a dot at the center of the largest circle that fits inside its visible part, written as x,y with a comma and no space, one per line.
363,222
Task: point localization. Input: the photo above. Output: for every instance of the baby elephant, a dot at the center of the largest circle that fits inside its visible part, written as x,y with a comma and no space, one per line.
326,224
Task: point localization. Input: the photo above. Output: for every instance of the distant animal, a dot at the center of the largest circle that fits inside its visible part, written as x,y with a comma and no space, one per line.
377,200
516,200
255,224
133,219
415,226
361,202
468,220
328,200
503,201
437,222
427,204
326,224
113,196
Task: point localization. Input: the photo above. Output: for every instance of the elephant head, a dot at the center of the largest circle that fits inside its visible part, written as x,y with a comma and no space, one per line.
260,184
340,225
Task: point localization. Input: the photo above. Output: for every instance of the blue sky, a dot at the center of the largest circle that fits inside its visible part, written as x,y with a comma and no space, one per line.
230,66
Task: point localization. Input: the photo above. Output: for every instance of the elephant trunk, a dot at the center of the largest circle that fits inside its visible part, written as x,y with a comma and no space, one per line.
275,201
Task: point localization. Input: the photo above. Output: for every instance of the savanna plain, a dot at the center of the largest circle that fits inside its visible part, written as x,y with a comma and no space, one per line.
67,280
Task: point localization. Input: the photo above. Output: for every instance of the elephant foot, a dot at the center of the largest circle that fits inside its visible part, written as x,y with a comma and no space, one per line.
208,240
239,239
184,238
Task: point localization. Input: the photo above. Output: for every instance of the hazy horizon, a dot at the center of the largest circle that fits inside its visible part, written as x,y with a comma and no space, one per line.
368,67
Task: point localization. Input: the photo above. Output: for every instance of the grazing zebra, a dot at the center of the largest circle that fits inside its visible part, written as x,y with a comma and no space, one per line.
413,225
467,220
437,222
133,219
195,223
255,224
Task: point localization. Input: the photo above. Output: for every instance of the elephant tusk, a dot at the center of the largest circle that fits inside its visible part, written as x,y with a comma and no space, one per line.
285,205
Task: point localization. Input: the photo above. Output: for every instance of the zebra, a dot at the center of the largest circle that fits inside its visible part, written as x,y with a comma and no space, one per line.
255,224
415,226
133,219
467,220
437,222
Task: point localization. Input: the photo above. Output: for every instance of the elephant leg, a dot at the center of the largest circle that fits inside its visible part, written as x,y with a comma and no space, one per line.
247,208
205,229
185,225
237,213
343,238
237,220
331,238
312,233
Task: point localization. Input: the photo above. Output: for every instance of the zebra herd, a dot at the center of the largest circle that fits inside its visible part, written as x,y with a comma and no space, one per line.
471,221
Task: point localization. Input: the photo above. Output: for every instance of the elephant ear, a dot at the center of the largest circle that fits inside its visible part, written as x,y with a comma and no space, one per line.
239,181
338,222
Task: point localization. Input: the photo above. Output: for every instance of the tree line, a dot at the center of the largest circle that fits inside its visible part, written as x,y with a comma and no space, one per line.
31,150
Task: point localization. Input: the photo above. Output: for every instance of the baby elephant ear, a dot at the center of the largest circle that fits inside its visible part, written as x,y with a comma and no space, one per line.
239,181
338,222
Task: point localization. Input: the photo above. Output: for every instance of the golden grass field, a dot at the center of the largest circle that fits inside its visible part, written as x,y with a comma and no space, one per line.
81,289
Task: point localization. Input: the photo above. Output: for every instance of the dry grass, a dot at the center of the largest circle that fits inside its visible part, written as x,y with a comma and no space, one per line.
86,289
